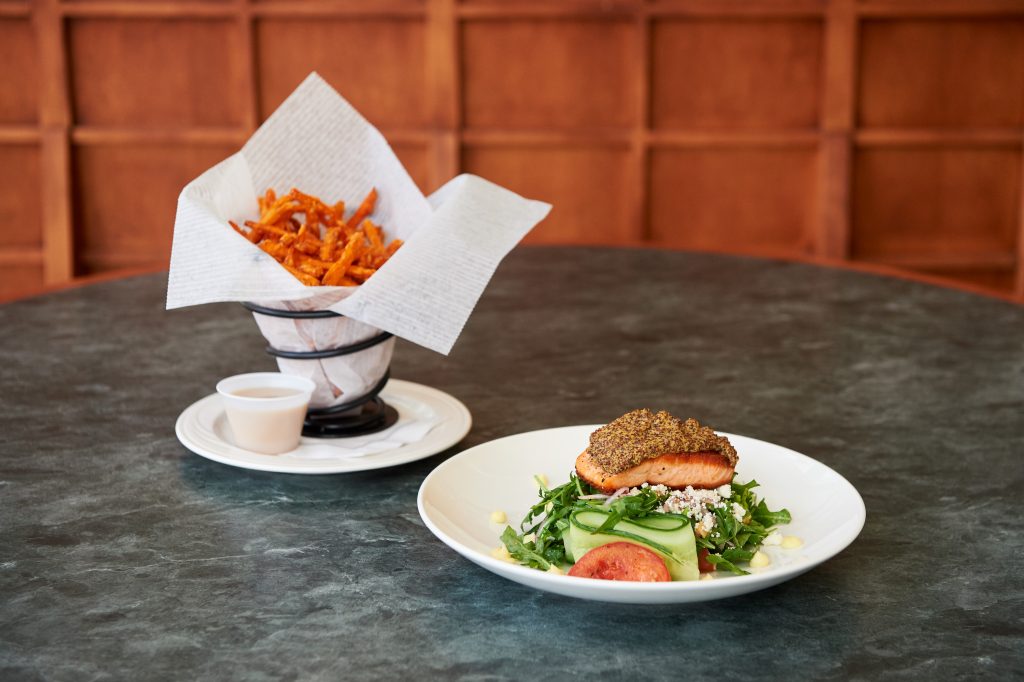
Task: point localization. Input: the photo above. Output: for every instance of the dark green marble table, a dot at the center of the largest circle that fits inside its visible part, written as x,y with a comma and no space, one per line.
125,557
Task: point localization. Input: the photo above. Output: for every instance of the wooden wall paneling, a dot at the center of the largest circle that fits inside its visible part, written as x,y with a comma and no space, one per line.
149,9
153,96
942,73
1018,284
734,198
118,226
553,108
927,206
636,199
379,9
20,274
21,239
773,124
20,208
837,122
420,160
736,75
445,92
754,9
588,185
377,64
944,87
149,72
758,9
544,9
940,8
549,74
937,136
55,166
20,103
15,9
21,230
733,100
1001,281
248,86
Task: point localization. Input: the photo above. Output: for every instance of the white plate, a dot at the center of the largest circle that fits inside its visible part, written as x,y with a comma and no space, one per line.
457,498
203,429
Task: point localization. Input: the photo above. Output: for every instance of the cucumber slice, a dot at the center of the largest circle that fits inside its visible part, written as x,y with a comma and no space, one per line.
670,537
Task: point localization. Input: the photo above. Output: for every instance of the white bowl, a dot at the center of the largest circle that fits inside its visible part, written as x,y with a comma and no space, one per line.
457,498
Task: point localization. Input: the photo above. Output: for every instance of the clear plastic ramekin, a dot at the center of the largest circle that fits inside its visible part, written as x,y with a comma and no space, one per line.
266,409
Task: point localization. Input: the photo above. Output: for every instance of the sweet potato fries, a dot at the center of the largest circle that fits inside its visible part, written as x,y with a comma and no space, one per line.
324,248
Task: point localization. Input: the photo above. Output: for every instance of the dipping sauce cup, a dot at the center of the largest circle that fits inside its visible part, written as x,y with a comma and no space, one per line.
266,409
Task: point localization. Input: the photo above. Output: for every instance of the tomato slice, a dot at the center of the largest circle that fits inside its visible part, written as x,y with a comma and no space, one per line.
621,561
703,565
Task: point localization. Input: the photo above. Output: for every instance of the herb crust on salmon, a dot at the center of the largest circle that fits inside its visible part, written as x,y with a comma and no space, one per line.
656,448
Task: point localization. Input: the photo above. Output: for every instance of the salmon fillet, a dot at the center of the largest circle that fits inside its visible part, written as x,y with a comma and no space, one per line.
699,469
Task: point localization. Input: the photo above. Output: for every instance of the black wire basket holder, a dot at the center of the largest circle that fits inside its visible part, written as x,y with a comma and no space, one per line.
337,421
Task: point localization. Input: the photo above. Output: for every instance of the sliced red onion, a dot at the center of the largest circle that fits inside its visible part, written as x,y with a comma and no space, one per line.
616,495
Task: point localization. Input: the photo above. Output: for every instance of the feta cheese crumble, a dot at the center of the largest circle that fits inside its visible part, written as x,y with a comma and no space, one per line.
697,504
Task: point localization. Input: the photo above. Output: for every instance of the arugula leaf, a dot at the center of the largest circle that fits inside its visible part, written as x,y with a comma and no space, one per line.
731,541
734,554
768,518
555,554
521,553
722,562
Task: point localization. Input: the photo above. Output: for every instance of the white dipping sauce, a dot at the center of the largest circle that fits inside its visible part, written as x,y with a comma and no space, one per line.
266,410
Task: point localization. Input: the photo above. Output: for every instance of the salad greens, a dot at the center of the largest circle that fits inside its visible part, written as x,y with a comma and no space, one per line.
541,541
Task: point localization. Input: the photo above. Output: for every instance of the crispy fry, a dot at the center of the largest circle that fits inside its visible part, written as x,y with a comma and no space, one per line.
260,230
306,242
308,280
360,274
365,209
307,200
324,248
275,249
338,212
337,271
373,234
329,244
282,209
311,268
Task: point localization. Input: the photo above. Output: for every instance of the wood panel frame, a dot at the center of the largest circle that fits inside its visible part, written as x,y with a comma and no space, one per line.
836,139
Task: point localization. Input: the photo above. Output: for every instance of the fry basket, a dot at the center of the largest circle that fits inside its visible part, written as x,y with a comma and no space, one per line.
346,415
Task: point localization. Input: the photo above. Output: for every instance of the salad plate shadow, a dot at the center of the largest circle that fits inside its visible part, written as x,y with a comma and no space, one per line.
458,497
